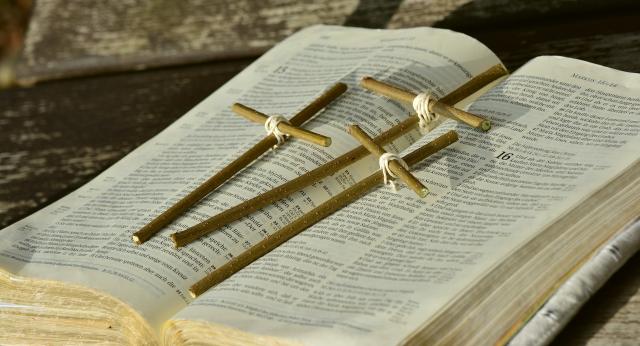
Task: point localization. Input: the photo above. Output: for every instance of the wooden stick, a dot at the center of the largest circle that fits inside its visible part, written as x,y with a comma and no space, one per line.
293,131
320,212
162,220
394,166
486,77
435,106
214,223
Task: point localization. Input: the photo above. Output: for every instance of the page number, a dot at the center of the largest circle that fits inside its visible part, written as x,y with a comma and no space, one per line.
504,156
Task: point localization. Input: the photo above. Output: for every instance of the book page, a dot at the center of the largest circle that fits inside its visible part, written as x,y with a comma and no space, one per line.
375,271
85,237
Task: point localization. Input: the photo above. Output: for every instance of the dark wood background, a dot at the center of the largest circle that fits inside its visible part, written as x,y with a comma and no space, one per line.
95,79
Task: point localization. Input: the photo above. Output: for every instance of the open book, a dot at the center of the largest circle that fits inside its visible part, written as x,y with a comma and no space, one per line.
511,215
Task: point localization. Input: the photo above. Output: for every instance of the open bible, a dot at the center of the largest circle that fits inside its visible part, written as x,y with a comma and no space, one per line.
513,212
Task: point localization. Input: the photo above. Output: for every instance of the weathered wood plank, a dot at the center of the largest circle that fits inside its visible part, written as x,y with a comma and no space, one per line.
613,41
101,36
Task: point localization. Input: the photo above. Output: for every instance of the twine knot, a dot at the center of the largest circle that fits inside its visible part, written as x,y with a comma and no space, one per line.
271,126
387,175
421,106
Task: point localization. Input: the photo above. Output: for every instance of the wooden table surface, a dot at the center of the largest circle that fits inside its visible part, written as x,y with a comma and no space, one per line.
95,79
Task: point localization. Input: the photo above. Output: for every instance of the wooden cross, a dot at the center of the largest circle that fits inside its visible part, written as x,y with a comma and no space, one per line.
162,220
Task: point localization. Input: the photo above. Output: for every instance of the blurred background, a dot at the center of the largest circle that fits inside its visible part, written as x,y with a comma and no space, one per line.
84,82
14,18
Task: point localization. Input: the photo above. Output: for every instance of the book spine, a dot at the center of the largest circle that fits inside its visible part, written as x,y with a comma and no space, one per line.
570,297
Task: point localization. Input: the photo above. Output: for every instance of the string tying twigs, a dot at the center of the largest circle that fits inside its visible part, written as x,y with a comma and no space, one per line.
421,106
391,165
271,126
280,127
426,105
387,175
